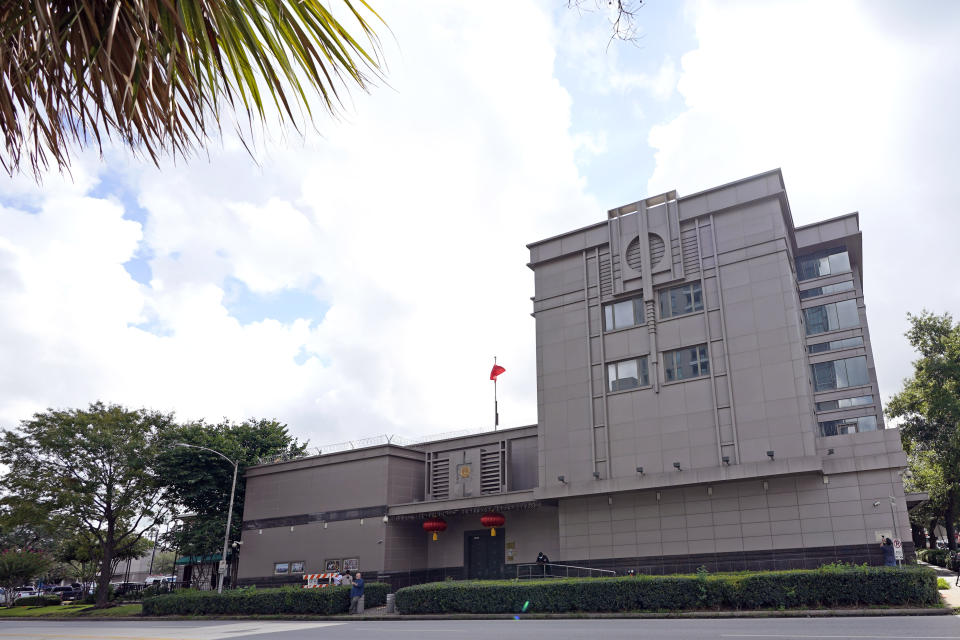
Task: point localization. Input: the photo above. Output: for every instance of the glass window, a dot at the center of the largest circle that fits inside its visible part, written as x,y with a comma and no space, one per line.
833,316
296,567
827,289
622,314
848,425
689,362
833,345
823,263
281,568
680,300
627,374
844,403
839,374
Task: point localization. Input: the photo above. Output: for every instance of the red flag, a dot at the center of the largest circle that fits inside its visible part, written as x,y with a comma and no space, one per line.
497,370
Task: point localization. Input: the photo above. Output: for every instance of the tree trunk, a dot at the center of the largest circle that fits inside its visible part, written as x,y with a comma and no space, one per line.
933,534
106,572
948,525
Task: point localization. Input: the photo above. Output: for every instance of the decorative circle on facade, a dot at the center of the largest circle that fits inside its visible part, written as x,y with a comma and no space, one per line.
434,525
634,259
492,520
657,249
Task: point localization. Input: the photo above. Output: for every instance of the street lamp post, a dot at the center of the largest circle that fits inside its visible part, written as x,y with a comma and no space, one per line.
226,535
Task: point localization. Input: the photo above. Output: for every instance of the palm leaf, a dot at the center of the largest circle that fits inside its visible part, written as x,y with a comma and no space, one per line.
159,74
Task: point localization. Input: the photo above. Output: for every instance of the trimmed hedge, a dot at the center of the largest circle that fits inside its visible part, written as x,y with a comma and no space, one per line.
287,600
829,586
37,601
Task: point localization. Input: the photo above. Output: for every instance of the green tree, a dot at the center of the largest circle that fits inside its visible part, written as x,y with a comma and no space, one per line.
95,468
158,74
199,482
19,566
928,411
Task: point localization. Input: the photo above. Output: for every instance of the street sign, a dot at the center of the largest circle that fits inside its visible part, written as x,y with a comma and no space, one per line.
897,549
223,564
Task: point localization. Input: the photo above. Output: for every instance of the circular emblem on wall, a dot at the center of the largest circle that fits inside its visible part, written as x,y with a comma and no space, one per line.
464,471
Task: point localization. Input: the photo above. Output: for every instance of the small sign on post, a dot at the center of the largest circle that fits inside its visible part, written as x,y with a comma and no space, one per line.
223,566
897,549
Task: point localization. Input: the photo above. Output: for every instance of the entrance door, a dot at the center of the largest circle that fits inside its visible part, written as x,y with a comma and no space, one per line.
483,554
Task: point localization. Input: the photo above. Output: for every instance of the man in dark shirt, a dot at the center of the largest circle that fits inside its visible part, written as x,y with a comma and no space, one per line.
889,555
356,592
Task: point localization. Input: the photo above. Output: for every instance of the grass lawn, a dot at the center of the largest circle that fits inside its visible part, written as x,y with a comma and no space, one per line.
70,610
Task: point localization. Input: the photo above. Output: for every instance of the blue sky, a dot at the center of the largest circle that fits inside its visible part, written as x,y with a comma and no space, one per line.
359,279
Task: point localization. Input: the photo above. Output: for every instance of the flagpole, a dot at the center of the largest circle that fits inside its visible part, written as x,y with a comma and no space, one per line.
496,415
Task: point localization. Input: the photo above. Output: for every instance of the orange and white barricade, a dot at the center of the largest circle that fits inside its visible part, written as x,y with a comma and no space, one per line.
318,580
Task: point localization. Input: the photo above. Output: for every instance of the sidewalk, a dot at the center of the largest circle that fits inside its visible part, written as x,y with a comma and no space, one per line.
951,596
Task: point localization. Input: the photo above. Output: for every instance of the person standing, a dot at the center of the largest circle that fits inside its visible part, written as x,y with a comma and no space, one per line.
356,592
889,557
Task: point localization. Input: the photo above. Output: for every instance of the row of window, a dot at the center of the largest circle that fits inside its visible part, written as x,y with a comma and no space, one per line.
840,374
833,345
827,289
676,301
823,263
831,317
678,364
331,566
848,425
844,403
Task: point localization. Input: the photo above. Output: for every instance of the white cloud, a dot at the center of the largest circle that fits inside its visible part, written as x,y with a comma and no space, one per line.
854,101
412,215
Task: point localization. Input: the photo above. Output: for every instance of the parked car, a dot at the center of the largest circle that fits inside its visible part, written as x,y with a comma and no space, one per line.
66,593
120,588
25,592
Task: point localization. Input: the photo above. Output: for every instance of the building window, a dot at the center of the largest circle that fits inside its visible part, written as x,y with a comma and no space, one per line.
297,567
833,316
844,403
281,568
681,300
827,289
623,314
839,374
833,345
848,425
823,263
689,362
627,374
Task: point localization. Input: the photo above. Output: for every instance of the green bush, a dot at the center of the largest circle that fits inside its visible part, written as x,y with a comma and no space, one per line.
829,586
288,600
942,584
37,601
939,557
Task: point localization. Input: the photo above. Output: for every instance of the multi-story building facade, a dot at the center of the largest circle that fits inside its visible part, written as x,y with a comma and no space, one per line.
706,396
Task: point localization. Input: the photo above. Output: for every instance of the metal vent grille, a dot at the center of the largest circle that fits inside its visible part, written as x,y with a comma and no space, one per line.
491,471
688,247
606,275
634,260
440,479
657,249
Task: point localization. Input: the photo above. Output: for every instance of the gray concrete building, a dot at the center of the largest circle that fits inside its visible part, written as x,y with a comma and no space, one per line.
706,395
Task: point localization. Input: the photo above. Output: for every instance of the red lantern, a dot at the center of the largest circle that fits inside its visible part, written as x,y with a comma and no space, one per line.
434,525
492,520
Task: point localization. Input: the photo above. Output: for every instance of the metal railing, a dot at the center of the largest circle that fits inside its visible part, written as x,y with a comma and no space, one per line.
535,570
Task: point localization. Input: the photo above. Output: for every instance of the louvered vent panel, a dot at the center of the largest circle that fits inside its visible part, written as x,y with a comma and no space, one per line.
688,245
491,472
606,276
440,479
657,249
634,260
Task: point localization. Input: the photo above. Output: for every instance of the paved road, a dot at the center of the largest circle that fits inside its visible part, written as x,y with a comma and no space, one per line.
905,628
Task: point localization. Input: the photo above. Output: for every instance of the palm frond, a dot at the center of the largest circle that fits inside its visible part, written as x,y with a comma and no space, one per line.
159,74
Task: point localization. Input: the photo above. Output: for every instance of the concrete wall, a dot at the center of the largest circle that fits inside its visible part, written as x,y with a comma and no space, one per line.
791,513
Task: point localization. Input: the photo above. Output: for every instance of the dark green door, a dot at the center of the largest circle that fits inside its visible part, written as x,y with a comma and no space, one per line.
483,554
